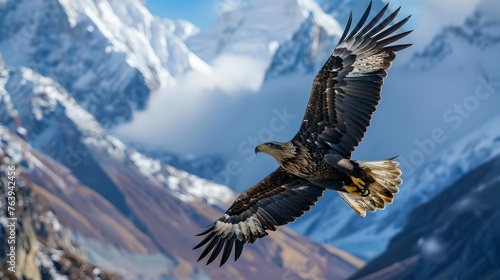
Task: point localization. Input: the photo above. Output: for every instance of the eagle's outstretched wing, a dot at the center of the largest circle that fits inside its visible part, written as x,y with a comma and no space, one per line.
278,199
347,89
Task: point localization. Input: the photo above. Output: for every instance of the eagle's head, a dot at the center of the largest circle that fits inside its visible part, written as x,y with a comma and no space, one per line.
280,151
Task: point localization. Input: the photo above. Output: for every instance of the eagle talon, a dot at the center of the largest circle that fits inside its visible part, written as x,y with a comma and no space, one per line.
358,183
365,192
358,187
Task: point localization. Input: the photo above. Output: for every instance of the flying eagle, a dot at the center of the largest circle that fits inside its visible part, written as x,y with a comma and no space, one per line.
344,95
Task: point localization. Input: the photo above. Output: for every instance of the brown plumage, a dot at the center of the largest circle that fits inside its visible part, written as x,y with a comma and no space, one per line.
344,95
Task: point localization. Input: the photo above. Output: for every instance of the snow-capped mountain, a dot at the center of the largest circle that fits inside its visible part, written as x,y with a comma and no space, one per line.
103,52
257,28
480,31
306,51
313,42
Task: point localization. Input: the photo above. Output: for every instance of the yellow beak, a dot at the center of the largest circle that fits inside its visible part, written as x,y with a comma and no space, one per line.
261,148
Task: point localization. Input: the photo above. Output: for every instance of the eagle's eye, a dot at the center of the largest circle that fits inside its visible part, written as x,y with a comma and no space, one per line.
269,145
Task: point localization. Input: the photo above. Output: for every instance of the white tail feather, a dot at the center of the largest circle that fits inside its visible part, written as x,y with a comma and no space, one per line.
386,179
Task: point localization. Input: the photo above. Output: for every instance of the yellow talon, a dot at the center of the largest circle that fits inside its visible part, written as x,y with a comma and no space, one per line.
358,182
358,188
353,190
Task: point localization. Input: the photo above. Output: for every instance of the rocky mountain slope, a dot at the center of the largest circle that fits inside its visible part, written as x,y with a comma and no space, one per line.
43,243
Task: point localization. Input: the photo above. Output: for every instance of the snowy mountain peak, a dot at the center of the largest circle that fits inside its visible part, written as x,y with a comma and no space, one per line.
307,49
181,28
479,31
316,38
257,28
103,52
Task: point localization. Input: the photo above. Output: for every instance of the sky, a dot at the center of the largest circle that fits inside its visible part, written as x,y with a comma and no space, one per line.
201,13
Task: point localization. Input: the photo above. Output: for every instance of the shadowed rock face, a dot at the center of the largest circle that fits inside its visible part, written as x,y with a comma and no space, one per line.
44,247
453,236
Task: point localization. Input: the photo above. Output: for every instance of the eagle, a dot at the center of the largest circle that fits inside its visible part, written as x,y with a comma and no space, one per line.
344,95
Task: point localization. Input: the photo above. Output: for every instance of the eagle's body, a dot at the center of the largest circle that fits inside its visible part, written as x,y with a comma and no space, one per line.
304,161
344,95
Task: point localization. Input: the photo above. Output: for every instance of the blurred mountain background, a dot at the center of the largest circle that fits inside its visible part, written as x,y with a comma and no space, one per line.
129,131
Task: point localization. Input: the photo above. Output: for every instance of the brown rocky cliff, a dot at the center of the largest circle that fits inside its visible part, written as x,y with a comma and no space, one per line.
40,237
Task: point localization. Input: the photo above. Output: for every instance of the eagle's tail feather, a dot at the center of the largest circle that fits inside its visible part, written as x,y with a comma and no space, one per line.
383,179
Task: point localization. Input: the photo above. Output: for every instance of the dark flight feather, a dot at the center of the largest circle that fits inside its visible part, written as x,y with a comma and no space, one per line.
278,199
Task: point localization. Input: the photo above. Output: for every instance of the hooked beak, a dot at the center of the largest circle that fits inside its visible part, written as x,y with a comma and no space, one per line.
261,148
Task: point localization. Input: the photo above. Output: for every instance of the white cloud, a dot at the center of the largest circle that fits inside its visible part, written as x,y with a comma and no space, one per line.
183,116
